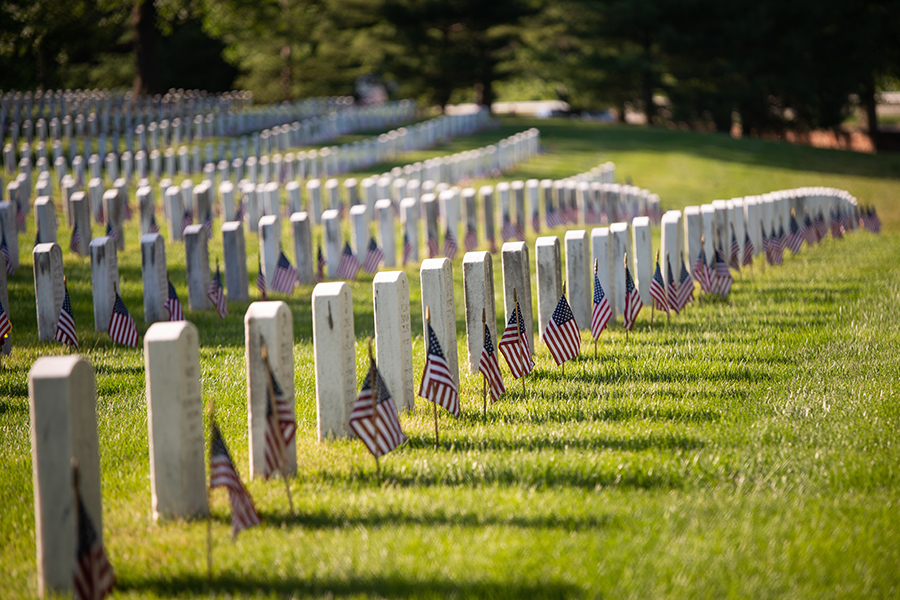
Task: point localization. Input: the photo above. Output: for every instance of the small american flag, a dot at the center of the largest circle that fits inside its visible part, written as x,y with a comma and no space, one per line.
65,326
126,209
111,232
837,231
553,219
173,305
374,256
507,231
450,247
21,214
320,265
658,290
122,329
601,312
407,249
845,221
437,381
779,241
279,418
154,226
536,222
10,268
261,282
489,366
766,244
808,229
701,270
187,220
380,429
633,303
223,474
671,287
93,577
685,287
75,242
722,279
348,267
735,257
5,325
561,335
749,249
208,225
285,275
514,345
216,294
795,236
432,246
471,240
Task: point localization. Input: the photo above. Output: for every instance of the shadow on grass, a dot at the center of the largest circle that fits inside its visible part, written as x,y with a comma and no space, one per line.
324,520
390,586
568,414
632,444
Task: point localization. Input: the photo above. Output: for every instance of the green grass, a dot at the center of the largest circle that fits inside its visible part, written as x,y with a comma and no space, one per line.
749,448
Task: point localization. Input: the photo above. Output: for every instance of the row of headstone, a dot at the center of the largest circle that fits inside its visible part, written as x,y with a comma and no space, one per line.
145,159
725,222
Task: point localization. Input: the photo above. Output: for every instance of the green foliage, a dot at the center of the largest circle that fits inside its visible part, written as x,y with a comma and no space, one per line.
747,448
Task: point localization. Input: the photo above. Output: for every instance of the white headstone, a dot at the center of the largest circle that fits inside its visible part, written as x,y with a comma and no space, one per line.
153,273
10,231
269,245
145,207
579,288
409,224
314,200
234,252
45,218
549,278
196,259
335,358
670,244
175,421
384,211
436,279
49,288
270,323
393,336
63,404
621,245
707,231
478,295
720,224
644,264
752,215
487,198
104,280
303,252
334,243
517,276
175,210
112,204
601,254
692,233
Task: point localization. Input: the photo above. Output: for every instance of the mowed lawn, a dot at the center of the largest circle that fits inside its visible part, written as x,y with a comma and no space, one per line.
747,448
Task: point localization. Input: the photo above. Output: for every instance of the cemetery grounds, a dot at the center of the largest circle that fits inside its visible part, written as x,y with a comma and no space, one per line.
748,448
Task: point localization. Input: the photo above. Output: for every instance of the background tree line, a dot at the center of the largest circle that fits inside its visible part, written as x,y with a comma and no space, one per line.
772,63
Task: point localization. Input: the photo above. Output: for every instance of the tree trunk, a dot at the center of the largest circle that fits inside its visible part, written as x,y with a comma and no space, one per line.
146,76
484,93
649,106
868,102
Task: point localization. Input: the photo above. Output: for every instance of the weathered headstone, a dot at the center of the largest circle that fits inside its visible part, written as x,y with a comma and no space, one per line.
303,253
384,211
436,279
393,336
517,276
196,258
334,243
335,358
578,277
269,246
643,257
621,245
45,218
49,288
63,405
234,252
478,295
548,261
104,279
154,276
175,421
268,323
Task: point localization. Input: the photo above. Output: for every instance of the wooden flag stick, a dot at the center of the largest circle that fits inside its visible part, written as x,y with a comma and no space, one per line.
563,365
280,436
595,339
483,377
625,261
375,418
434,404
668,270
209,544
519,334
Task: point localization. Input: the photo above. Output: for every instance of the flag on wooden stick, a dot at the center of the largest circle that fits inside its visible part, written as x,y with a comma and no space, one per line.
374,417
671,287
561,334
93,576
514,345
633,303
348,267
279,423
216,293
489,366
658,289
222,473
437,384
5,325
122,329
685,286
601,312
285,275
65,325
173,304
